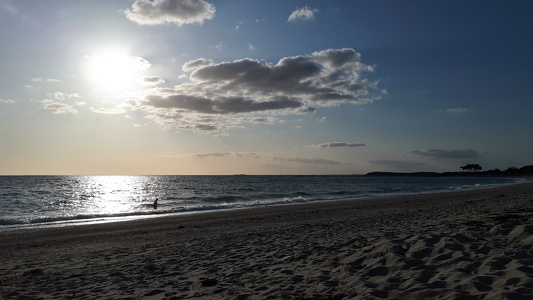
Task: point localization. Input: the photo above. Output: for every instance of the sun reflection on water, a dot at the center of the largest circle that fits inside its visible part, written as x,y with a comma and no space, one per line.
105,195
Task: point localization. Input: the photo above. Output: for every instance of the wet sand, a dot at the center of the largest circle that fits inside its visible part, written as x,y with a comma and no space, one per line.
460,245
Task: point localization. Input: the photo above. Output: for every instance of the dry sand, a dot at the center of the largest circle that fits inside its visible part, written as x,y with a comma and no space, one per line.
461,245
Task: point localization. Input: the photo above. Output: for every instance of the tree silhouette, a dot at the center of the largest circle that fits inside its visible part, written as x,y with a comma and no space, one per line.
471,168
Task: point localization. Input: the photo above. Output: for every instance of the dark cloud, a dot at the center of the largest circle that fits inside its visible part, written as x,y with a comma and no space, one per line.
245,87
221,106
326,77
241,105
182,102
206,127
152,80
447,154
338,145
146,12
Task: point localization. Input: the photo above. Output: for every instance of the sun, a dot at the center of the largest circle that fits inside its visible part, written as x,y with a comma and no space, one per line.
114,70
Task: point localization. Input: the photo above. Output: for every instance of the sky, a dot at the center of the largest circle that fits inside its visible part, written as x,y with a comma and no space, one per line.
172,87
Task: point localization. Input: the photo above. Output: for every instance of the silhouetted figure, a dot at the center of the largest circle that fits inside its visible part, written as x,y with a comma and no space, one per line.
155,203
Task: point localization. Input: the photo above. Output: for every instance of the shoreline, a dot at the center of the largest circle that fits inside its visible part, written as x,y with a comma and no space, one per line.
75,221
438,245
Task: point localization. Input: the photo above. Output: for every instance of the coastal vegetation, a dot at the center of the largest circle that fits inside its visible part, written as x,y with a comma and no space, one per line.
512,171
467,170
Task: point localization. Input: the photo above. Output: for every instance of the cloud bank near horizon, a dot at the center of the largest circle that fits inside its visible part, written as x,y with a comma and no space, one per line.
312,161
338,145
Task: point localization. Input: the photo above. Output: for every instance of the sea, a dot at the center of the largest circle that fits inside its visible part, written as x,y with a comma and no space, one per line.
51,201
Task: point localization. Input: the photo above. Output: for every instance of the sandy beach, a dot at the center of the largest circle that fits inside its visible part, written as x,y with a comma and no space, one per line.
458,245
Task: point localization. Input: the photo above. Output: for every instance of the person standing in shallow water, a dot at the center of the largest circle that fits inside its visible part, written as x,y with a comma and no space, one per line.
155,203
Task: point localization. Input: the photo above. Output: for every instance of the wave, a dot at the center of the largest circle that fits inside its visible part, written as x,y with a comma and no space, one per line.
212,204
224,199
481,186
263,195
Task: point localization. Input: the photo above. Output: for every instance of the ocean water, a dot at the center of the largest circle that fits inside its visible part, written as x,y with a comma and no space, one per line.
43,201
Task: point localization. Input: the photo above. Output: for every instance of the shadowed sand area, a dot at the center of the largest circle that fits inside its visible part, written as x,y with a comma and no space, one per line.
460,245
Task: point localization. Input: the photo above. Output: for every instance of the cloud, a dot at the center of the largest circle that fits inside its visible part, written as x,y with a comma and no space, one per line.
338,145
225,154
108,111
51,80
197,64
179,12
206,127
211,154
140,62
51,102
62,96
447,154
222,135
303,14
458,110
152,80
9,101
401,165
231,93
58,107
314,161
224,105
220,46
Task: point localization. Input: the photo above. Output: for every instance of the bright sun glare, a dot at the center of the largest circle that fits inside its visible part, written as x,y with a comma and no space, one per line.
114,70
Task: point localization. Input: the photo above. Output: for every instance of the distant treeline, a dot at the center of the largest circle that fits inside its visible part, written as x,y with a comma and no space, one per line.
511,171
